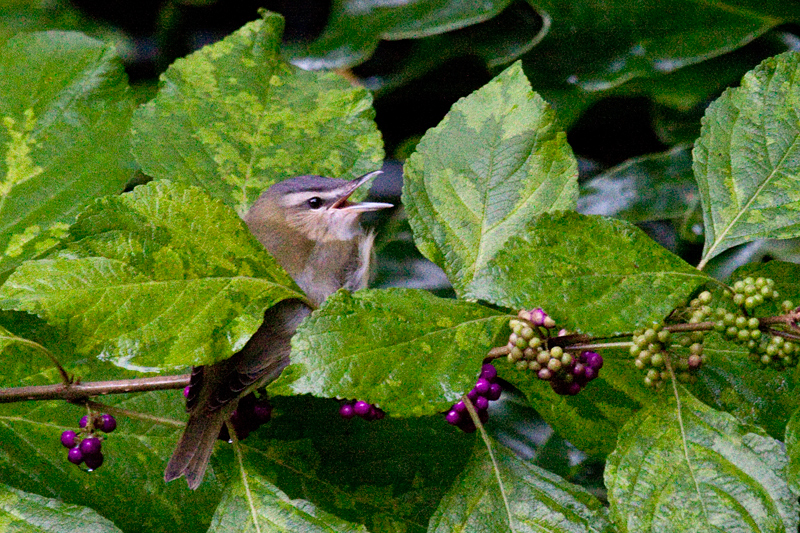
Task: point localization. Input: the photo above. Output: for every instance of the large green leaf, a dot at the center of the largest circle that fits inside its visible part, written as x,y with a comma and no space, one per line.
65,109
682,466
235,118
21,511
387,474
163,277
537,499
493,163
373,345
591,419
746,160
129,487
274,511
355,27
595,45
592,274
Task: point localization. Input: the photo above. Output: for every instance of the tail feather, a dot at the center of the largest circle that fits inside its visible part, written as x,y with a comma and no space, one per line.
220,386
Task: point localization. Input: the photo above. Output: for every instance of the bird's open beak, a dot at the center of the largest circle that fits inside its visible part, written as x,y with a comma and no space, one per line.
342,202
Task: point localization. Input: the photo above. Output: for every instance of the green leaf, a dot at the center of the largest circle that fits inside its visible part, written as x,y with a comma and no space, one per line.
642,189
129,487
21,511
591,419
355,27
595,45
792,440
682,466
537,499
387,474
372,345
591,274
274,510
729,381
65,108
746,160
162,277
234,119
493,163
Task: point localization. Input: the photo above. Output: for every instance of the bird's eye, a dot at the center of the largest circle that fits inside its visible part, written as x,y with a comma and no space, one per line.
315,202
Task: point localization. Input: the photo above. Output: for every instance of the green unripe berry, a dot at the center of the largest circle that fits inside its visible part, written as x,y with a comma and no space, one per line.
648,382
694,303
752,344
697,336
777,340
526,333
696,348
653,374
760,282
543,357
729,318
743,335
522,365
650,335
645,357
641,365
657,360
534,366
554,365
654,347
750,302
515,353
731,331
549,323
753,323
635,349
556,352
755,334
535,342
771,350
775,295
521,343
787,306
566,359
528,353
758,299
766,292
739,299
766,359
704,297
740,322
719,326
685,340
738,286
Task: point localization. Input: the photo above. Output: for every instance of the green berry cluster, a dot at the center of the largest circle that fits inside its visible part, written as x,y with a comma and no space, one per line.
769,349
526,347
652,345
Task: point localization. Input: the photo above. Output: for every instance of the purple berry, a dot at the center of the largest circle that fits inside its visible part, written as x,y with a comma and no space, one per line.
75,456
452,417
573,388
488,372
481,403
262,412
483,416
537,316
107,423
346,411
68,439
494,391
379,414
589,373
472,395
361,408
578,370
592,359
466,425
90,446
459,407
93,461
482,386
84,421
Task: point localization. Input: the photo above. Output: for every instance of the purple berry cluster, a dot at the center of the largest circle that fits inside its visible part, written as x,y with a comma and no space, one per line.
367,411
486,389
248,416
574,376
85,444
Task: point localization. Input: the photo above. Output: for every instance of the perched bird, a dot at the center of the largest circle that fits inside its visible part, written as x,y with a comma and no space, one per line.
313,230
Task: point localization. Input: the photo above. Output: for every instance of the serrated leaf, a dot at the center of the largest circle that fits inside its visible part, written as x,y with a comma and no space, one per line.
22,511
729,381
642,189
537,499
274,510
162,277
792,440
746,159
681,466
355,27
372,345
493,163
591,419
129,487
592,274
65,108
234,119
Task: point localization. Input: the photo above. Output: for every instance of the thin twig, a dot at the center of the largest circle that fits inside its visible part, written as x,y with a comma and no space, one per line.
81,392
119,411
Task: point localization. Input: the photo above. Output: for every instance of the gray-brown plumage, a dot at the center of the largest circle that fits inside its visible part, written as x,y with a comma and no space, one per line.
311,228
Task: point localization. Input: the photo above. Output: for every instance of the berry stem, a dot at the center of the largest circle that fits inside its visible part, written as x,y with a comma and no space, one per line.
65,378
119,412
77,392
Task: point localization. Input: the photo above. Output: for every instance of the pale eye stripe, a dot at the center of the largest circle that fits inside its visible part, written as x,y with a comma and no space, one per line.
299,198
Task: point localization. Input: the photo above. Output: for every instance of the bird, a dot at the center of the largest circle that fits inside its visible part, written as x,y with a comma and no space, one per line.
313,230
